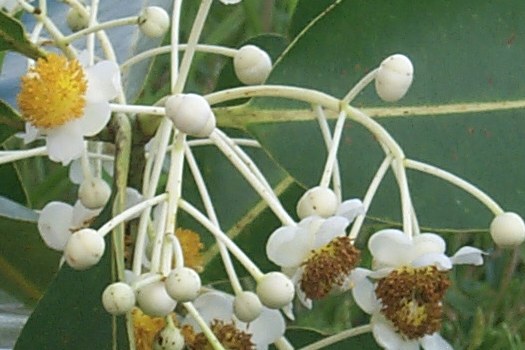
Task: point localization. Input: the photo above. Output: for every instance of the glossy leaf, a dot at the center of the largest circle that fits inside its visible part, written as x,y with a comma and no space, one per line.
12,37
11,121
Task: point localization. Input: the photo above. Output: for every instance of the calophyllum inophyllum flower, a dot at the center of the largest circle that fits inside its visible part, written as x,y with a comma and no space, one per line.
404,291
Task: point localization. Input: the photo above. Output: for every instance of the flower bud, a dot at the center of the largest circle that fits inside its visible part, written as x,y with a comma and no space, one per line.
94,193
169,338
252,65
118,298
394,77
275,290
84,249
153,299
320,201
191,114
154,21
183,284
75,20
508,230
247,306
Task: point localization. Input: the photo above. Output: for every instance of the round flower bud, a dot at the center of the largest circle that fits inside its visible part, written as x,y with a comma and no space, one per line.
508,230
191,114
84,249
75,20
394,77
252,65
118,298
320,201
169,338
275,290
94,193
154,21
153,300
247,306
183,284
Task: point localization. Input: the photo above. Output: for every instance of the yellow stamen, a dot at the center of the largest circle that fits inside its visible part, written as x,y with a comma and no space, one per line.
53,91
145,328
228,335
411,299
191,248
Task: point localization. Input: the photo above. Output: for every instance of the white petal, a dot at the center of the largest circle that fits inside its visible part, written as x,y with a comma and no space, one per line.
435,342
442,261
332,227
288,311
267,328
54,223
390,247
426,243
311,224
468,255
103,81
388,338
350,209
31,133
213,305
96,116
363,290
288,246
65,143
82,216
75,172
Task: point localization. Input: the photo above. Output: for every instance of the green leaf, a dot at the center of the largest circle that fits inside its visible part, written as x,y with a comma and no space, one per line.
12,37
10,120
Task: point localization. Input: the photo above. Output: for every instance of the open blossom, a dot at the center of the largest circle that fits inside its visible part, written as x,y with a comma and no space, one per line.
316,253
64,102
216,308
405,290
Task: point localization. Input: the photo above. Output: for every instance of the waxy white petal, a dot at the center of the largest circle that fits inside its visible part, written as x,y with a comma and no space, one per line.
363,290
468,255
54,224
435,342
386,336
332,227
103,82
64,143
288,246
350,209
390,247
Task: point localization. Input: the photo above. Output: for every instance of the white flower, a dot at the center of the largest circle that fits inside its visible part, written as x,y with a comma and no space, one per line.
215,305
303,248
59,220
406,314
65,102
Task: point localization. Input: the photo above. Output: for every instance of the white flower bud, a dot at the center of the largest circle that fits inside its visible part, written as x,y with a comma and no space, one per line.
169,338
394,77
153,299
191,114
320,201
84,249
252,65
154,21
508,230
75,20
247,306
183,284
94,193
275,290
118,298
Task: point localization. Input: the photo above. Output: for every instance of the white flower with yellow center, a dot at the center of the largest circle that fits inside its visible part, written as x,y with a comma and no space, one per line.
316,253
65,102
410,281
216,308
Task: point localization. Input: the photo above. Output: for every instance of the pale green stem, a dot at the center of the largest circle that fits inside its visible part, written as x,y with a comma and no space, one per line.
13,156
239,142
327,137
406,202
367,79
159,237
100,26
167,257
153,110
177,251
175,32
332,153
283,344
215,343
195,33
369,196
90,39
262,190
239,254
142,282
338,337
457,181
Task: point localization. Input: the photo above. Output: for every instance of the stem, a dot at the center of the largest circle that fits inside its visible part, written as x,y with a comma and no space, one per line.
338,337
406,202
215,343
457,181
100,26
90,40
123,108
332,153
159,238
367,79
12,156
175,22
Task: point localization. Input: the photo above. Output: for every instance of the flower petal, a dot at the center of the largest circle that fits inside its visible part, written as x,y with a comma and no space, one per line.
468,255
82,216
212,305
267,328
390,247
363,290
442,261
350,209
435,342
288,246
426,243
65,143
31,134
332,227
96,116
54,223
388,338
75,172
103,81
